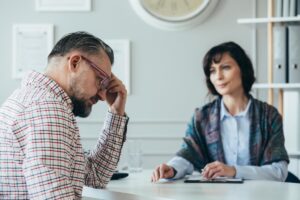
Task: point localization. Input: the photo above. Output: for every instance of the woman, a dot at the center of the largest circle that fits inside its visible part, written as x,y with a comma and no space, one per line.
235,135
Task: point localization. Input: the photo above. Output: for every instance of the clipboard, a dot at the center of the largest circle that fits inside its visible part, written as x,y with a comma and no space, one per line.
200,179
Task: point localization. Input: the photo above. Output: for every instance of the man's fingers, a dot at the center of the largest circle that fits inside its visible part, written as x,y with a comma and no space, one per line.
113,84
115,89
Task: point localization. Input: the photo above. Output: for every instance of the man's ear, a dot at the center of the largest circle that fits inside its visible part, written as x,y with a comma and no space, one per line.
73,62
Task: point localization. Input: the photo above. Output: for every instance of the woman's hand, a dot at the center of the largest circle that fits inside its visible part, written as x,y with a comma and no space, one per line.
162,171
215,169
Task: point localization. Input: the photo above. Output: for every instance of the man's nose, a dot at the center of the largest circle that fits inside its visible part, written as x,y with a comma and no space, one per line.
102,95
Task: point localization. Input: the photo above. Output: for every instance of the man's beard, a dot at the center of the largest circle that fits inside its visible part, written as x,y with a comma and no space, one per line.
80,107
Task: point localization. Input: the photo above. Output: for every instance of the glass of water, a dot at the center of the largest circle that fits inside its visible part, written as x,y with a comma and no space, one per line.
134,152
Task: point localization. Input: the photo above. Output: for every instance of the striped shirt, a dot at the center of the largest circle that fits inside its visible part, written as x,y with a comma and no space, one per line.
41,156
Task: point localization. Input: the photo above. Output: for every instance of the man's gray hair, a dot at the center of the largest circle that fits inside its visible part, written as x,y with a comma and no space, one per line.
83,42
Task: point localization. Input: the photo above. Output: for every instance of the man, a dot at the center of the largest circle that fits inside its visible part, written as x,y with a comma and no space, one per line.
41,156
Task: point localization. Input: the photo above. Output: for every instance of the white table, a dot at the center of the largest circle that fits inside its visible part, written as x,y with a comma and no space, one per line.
140,184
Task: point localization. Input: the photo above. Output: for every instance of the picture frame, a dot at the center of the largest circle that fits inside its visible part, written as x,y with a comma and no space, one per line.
31,45
121,66
63,5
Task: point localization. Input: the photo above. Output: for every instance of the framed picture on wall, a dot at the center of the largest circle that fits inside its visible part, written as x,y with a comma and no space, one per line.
31,45
63,5
121,66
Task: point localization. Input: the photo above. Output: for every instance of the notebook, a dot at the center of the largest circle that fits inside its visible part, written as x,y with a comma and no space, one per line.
200,179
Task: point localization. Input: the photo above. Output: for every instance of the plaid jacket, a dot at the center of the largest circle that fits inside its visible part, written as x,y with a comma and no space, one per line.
202,143
41,156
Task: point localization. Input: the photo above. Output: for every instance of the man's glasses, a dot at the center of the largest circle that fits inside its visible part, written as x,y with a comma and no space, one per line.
105,78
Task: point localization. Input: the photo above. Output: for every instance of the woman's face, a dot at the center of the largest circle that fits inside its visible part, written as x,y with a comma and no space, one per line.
226,76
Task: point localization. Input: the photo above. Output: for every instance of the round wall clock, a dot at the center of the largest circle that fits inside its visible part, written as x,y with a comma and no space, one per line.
173,14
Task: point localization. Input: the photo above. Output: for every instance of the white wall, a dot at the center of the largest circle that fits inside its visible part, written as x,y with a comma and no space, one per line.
167,78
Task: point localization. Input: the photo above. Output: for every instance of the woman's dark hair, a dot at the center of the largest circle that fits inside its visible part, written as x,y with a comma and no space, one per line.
239,55
83,42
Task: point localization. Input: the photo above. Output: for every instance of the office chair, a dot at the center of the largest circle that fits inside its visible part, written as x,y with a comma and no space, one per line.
291,178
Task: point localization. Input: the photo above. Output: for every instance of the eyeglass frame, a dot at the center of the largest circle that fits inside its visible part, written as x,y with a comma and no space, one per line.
101,73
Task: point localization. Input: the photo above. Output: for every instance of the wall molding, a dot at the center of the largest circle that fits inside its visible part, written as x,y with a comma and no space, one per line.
159,154
139,121
142,137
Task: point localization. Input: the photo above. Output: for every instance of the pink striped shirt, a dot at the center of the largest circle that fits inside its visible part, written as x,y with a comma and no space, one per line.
41,156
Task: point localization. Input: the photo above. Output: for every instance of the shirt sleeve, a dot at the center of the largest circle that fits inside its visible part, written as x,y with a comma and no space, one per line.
46,151
182,166
103,160
276,171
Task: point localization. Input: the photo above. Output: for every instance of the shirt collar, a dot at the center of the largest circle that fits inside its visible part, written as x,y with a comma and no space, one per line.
42,81
224,113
